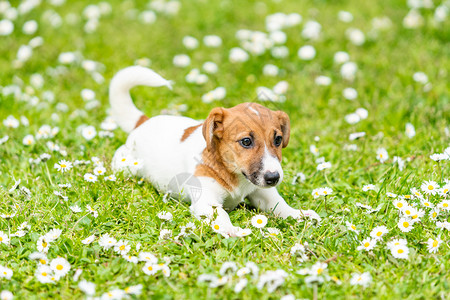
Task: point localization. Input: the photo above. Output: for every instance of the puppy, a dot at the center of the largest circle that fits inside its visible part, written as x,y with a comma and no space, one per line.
235,153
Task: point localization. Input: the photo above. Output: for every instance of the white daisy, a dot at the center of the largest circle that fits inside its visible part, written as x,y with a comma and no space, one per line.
148,257
363,279
90,177
44,274
53,234
427,203
396,242
444,205
60,266
259,221
93,212
400,251
130,258
87,287
433,245
110,178
42,244
5,294
351,227
134,290
382,155
272,232
400,204
122,247
106,241
99,171
368,187
379,232
28,140
4,239
434,213
88,240
150,268
75,208
367,244
405,225
429,187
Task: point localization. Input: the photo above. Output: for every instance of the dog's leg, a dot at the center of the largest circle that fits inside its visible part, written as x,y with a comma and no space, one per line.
209,205
269,200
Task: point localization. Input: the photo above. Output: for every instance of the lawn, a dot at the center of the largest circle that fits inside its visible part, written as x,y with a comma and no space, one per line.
366,86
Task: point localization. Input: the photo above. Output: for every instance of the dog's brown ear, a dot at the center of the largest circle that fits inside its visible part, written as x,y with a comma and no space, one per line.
213,126
285,124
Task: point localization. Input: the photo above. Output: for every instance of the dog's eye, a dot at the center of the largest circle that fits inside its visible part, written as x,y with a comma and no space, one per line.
278,140
246,142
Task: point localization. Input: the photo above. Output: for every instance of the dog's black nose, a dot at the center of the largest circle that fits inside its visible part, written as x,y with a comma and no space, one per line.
271,178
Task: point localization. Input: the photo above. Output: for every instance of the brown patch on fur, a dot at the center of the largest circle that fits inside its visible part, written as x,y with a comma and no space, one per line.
141,120
218,172
188,131
224,158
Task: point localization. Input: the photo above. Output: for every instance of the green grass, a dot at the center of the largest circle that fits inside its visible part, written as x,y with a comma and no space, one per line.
128,210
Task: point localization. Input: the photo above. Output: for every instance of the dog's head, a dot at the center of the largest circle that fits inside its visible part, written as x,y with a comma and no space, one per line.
248,139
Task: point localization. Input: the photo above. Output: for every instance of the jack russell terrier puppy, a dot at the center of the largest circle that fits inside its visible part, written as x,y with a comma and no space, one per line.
234,154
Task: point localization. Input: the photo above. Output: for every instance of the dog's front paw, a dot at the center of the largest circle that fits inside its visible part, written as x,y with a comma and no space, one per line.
310,214
302,214
229,230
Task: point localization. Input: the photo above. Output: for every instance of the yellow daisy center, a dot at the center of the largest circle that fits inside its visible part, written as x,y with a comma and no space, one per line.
407,212
150,268
366,244
319,270
59,267
44,244
445,205
124,159
1,239
259,221
426,204
405,224
353,227
325,192
434,214
435,243
42,261
122,247
63,166
216,227
399,204
44,274
400,251
379,233
430,187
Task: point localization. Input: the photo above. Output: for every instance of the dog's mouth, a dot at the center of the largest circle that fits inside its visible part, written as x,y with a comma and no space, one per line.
253,178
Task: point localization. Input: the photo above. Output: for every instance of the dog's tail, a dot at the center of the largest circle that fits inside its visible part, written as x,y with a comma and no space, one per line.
123,109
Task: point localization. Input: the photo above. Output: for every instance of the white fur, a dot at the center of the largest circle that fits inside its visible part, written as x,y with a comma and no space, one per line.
157,145
271,164
123,109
